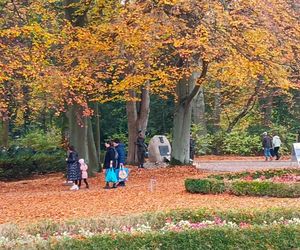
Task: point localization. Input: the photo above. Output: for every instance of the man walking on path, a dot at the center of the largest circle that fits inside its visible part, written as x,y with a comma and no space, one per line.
276,144
267,145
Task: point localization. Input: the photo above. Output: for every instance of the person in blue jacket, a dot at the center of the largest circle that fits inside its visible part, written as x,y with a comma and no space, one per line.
120,148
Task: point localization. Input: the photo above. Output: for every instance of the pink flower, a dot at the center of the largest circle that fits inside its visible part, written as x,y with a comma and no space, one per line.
168,220
244,224
218,220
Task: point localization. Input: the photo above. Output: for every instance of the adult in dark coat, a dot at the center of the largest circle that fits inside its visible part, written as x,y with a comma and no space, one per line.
74,173
192,149
267,145
110,156
120,147
141,149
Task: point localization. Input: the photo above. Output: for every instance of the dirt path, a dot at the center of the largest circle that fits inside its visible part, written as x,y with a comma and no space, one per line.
46,198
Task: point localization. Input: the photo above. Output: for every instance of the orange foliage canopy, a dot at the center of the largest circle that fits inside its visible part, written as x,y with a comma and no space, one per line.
124,46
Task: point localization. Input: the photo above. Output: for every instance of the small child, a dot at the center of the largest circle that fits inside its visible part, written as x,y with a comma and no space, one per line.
84,174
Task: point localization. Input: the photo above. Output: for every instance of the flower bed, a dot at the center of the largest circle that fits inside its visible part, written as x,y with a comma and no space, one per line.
269,230
275,183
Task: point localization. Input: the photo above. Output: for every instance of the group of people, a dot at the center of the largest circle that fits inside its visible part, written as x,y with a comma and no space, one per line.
271,146
76,169
114,160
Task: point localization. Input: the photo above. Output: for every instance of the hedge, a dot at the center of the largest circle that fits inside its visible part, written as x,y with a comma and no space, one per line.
256,174
253,188
205,186
265,188
271,237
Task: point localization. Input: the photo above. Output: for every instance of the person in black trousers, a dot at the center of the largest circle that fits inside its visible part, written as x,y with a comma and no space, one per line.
110,156
141,149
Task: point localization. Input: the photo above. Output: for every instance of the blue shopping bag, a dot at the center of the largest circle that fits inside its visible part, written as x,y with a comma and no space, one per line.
110,175
120,175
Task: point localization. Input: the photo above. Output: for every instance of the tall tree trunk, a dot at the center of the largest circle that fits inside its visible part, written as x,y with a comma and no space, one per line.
217,107
81,131
26,108
5,132
81,137
97,130
138,115
198,111
186,90
268,110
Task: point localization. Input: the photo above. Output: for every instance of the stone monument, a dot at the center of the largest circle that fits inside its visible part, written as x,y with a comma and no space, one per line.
159,149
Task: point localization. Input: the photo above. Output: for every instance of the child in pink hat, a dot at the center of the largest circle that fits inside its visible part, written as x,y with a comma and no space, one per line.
84,174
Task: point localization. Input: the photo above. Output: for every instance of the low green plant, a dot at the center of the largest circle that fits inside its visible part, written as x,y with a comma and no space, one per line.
256,174
272,237
265,188
39,140
205,186
240,187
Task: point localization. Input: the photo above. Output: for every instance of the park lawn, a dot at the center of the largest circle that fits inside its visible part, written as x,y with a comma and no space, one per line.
43,198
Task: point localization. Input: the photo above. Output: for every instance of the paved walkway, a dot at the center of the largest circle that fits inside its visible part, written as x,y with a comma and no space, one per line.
237,166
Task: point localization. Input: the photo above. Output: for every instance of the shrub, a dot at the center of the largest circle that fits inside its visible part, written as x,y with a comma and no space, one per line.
40,141
241,143
205,186
256,174
35,153
22,163
265,188
219,183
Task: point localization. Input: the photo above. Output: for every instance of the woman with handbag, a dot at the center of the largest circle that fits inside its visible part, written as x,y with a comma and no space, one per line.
110,165
121,172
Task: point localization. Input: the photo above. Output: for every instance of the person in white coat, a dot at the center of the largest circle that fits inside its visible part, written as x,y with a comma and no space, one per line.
276,145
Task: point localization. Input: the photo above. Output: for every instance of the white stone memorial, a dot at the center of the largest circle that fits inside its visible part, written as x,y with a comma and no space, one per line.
159,149
296,153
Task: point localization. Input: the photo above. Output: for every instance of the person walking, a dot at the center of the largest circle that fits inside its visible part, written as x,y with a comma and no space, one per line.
109,161
74,172
192,149
267,145
120,148
276,145
141,149
84,174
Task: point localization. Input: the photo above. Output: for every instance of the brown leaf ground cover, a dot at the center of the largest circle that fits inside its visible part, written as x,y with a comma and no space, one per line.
46,197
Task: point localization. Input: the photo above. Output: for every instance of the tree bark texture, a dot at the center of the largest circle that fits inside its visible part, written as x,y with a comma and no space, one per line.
217,107
198,111
186,90
138,115
5,132
82,138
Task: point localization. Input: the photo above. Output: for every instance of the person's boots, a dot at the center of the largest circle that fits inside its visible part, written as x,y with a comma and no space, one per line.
114,185
107,186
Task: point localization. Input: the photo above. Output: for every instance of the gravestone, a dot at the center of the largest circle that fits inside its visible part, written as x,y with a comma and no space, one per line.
159,149
296,153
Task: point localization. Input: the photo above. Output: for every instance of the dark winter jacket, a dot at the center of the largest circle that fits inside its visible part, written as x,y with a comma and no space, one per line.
121,154
267,142
141,147
73,170
109,156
